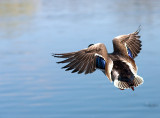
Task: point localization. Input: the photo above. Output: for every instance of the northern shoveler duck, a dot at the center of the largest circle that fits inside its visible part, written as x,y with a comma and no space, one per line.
118,66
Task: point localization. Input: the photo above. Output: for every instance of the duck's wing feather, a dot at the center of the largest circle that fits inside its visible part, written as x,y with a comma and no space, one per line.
129,45
85,59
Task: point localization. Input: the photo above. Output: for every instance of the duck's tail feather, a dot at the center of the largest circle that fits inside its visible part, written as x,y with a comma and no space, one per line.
138,81
124,85
121,84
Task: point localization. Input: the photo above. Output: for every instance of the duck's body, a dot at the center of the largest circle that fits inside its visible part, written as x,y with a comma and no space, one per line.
118,66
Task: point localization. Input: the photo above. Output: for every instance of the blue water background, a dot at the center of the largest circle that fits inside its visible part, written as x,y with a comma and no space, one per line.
32,85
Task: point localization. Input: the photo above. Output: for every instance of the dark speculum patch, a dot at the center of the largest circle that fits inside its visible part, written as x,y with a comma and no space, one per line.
100,62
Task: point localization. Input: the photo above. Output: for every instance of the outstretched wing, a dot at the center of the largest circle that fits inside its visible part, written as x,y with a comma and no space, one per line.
128,44
87,60
83,60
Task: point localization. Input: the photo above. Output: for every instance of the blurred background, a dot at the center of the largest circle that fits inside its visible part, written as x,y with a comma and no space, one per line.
32,85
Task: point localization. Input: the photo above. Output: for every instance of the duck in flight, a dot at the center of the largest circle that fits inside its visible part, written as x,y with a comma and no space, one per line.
119,66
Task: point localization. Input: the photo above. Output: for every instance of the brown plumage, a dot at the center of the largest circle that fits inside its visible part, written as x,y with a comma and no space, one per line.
130,41
85,60
118,66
